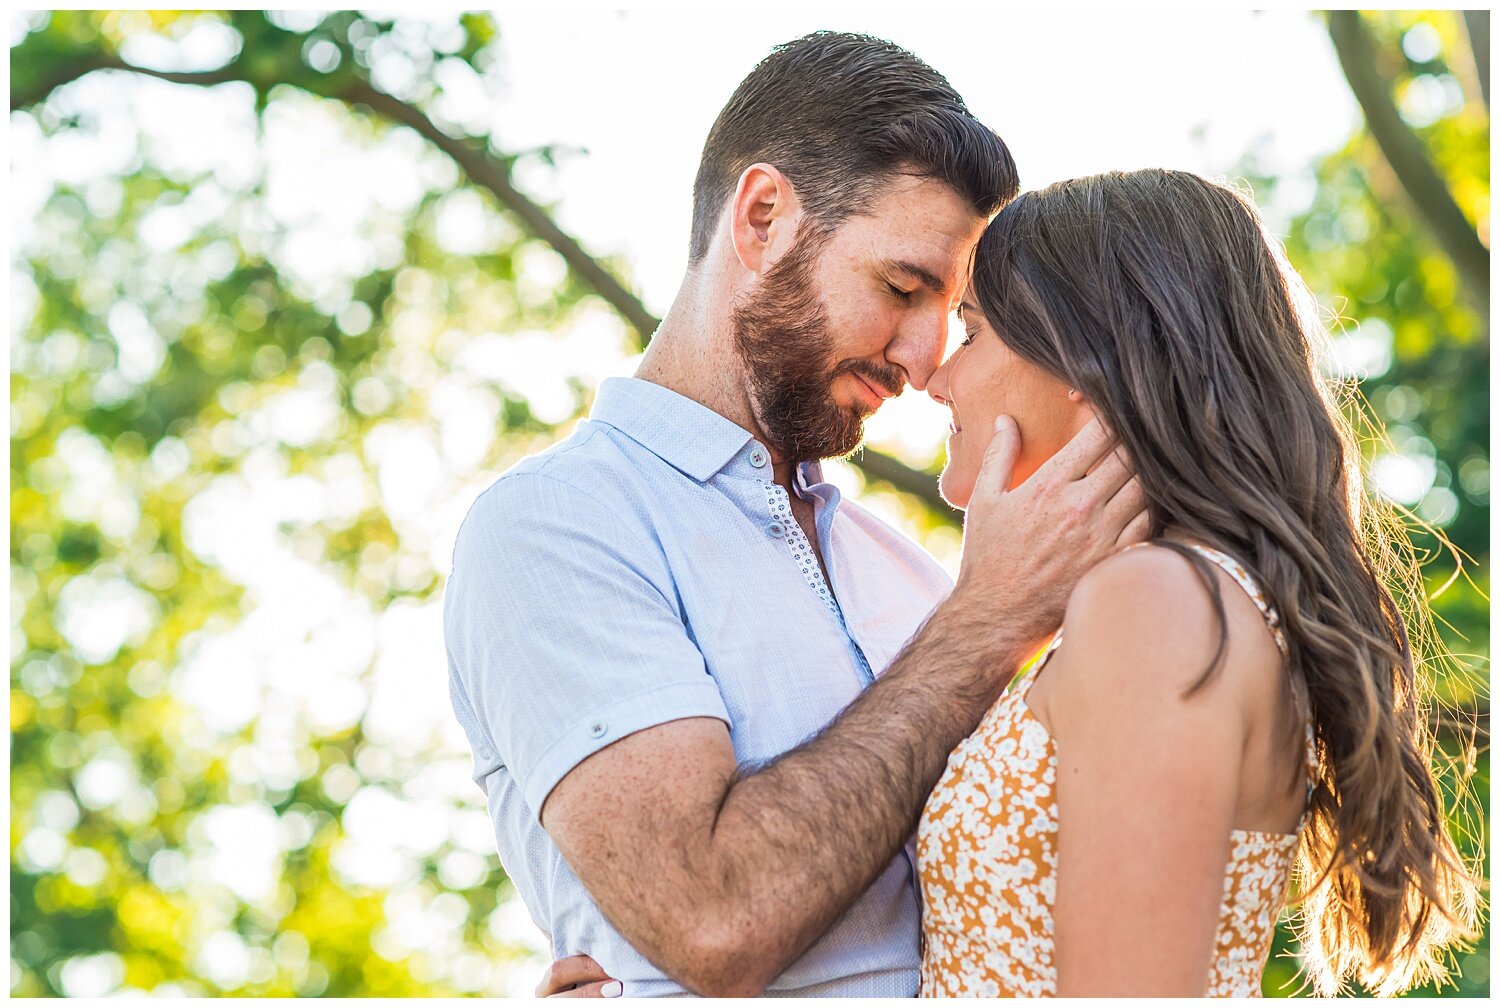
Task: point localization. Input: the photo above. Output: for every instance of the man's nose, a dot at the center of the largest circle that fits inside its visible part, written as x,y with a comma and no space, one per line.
918,348
937,385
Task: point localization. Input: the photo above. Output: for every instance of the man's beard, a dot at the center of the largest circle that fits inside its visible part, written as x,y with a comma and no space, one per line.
782,333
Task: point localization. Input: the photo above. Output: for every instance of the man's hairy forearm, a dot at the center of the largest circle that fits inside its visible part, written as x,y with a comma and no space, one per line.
798,841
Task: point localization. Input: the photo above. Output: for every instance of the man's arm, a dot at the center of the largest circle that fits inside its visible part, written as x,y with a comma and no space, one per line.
721,880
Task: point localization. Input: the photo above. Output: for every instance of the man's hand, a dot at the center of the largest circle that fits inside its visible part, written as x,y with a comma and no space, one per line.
1025,548
577,976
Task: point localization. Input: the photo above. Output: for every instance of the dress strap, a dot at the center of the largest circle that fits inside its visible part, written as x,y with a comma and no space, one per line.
1241,576
1229,565
1236,570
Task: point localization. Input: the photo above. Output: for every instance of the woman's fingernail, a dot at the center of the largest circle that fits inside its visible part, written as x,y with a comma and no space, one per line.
612,989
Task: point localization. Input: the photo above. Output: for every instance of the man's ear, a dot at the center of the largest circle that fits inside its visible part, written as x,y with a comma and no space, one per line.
763,217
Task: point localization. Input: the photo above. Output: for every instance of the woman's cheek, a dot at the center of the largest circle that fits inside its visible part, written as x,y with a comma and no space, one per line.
973,455
956,484
950,489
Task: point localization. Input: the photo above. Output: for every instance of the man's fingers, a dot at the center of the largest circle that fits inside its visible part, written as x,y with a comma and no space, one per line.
1000,456
1111,473
1078,456
1129,499
599,989
569,972
1137,531
1129,492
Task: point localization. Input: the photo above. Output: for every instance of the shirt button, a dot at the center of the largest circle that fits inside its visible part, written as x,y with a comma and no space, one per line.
758,458
776,529
597,729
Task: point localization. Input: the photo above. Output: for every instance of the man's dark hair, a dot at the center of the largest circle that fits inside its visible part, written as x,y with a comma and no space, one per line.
840,115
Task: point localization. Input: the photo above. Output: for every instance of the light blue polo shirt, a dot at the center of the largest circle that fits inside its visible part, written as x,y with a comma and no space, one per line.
648,569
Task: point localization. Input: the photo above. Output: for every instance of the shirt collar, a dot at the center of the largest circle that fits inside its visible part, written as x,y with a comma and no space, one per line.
685,434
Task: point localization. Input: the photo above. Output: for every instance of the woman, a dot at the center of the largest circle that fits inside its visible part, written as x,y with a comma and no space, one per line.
1233,701
1227,707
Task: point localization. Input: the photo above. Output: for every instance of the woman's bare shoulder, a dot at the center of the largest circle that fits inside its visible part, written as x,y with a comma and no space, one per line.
1150,609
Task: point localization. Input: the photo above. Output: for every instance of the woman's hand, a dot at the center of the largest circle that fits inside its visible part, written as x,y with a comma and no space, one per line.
577,976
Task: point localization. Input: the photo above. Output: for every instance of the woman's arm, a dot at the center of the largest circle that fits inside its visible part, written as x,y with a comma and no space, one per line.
1147,780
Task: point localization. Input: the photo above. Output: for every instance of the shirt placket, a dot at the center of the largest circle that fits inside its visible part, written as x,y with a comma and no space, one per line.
807,560
784,526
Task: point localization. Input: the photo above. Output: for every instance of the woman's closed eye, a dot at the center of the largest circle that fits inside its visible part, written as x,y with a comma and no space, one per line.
971,328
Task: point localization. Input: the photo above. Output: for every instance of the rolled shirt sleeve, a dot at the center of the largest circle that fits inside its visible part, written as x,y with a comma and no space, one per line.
564,631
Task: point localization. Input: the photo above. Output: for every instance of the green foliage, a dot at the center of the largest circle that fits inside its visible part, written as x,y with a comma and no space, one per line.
1370,260
112,441
157,382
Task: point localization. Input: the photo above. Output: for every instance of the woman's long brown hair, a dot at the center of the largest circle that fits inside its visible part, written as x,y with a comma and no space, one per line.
1159,295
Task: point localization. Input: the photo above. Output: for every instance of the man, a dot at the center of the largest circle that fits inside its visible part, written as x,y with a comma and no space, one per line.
665,632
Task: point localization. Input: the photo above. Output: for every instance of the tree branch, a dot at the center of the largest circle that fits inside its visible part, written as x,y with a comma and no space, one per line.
1406,155
87,64
904,478
26,97
1478,24
485,171
491,173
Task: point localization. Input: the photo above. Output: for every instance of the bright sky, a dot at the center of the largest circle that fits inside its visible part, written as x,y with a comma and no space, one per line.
1072,93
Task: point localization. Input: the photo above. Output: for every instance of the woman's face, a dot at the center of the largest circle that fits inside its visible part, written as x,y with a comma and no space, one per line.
983,379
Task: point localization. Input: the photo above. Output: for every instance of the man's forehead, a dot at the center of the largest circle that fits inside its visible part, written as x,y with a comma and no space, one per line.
925,201
923,222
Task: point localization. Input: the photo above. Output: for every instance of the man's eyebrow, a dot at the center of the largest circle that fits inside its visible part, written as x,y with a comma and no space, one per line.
929,279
